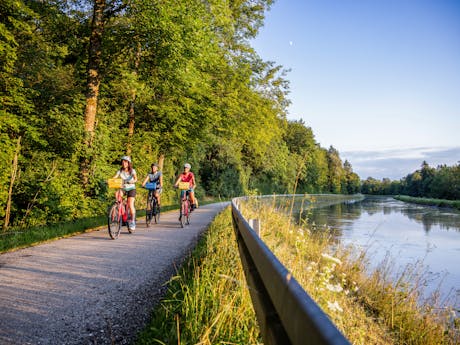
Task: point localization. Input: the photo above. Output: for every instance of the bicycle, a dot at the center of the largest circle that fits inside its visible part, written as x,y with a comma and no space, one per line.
118,214
185,206
152,210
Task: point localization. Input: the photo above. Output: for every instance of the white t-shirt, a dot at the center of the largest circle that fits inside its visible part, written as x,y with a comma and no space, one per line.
127,177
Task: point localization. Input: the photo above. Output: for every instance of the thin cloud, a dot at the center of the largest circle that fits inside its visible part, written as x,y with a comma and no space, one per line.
397,163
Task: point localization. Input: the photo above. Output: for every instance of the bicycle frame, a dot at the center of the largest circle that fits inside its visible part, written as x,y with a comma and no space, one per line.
184,217
152,210
118,215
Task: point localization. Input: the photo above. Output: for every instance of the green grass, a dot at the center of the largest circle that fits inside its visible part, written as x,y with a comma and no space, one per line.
207,301
430,201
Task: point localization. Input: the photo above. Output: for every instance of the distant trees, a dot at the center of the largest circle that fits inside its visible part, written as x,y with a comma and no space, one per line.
442,182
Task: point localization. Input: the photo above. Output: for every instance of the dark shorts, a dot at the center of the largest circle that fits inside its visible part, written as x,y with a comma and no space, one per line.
131,193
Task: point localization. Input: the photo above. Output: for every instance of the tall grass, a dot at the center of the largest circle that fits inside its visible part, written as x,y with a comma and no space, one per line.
369,308
207,301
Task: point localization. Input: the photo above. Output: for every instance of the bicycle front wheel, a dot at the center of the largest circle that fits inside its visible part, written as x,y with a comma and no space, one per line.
114,221
149,210
156,212
188,213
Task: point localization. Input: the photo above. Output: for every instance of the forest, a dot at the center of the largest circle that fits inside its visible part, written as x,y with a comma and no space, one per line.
442,182
83,83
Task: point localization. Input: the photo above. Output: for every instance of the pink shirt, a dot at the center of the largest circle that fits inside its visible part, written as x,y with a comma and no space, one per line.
187,177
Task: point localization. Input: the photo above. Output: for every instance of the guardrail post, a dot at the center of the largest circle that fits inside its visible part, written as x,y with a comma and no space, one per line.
255,225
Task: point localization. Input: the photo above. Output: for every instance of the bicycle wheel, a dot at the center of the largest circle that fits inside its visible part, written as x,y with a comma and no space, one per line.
114,221
188,213
149,210
183,214
156,211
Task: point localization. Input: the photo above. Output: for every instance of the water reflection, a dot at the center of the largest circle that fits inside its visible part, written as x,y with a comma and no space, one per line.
407,232
428,217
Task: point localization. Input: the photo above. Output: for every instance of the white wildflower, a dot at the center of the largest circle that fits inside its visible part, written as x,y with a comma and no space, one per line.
334,288
334,306
331,258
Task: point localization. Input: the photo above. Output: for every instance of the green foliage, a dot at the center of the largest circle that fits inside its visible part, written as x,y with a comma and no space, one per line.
179,80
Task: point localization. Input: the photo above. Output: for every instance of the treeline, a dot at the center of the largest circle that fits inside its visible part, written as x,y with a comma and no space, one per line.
442,182
84,82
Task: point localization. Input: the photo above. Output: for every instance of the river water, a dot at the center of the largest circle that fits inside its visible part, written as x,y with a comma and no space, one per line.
407,233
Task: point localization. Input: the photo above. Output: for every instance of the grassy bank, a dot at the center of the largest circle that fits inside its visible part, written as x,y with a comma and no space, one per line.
208,302
430,201
369,308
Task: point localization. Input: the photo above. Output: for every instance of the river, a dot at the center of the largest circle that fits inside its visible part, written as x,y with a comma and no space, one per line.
407,233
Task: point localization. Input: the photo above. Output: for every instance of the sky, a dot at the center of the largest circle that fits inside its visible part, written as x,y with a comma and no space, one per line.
377,79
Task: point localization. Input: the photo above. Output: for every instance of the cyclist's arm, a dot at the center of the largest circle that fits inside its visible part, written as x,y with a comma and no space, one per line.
193,182
177,181
145,181
134,179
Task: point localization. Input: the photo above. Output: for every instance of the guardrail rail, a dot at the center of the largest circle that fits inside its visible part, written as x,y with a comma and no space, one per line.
285,312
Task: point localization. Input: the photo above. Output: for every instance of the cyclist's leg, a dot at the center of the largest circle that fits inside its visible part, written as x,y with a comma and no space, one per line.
191,194
132,210
157,195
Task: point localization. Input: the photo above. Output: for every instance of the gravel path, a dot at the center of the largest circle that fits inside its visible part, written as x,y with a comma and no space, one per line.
88,289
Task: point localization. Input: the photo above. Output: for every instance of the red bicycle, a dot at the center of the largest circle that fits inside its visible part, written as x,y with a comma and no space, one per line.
185,205
118,214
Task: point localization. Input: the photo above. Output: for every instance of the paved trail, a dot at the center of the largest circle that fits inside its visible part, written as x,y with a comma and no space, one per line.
88,289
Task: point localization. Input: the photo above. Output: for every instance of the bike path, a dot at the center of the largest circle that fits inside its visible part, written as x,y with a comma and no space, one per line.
90,289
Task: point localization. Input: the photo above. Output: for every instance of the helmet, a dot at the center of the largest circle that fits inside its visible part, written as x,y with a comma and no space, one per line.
187,165
126,158
154,165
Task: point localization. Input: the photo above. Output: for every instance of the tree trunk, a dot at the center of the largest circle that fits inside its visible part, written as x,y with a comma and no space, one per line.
92,86
14,171
161,161
133,100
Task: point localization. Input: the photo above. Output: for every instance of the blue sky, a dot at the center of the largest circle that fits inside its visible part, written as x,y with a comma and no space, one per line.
378,80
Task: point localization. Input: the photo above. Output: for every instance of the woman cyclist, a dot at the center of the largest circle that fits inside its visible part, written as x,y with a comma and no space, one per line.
155,176
188,176
129,177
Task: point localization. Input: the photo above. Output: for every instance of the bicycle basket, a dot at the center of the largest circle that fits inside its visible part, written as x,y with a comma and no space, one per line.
151,186
184,185
115,182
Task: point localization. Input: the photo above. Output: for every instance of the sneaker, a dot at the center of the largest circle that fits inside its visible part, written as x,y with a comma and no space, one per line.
193,207
132,226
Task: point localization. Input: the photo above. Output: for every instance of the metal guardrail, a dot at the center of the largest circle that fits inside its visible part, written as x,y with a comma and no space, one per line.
285,312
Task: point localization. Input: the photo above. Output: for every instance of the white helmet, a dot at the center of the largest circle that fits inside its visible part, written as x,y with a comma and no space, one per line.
187,165
126,158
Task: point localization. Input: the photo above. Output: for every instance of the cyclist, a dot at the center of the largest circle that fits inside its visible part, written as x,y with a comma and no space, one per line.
129,177
188,176
155,176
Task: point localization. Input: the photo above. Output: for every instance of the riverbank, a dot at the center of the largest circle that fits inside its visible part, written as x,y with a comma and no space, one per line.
208,301
429,201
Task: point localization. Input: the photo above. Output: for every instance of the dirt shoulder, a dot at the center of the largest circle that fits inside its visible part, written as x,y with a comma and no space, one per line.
88,289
